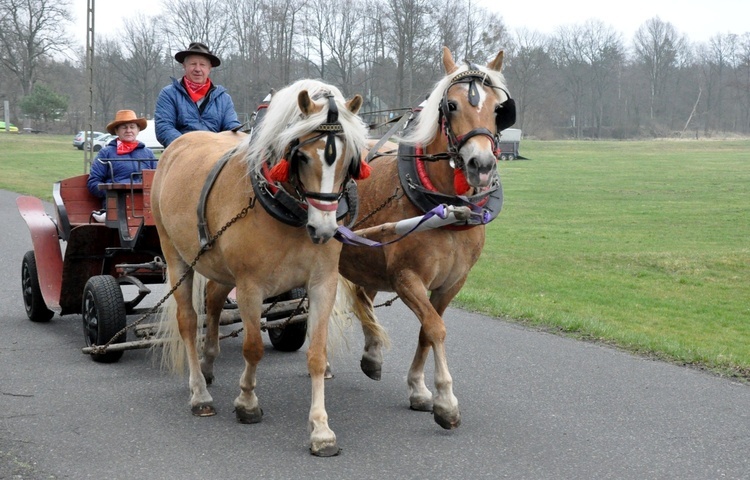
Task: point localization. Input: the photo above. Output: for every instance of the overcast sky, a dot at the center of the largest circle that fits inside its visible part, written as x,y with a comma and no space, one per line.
698,19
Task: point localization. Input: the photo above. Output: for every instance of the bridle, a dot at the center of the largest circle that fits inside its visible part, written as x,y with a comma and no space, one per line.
331,129
505,114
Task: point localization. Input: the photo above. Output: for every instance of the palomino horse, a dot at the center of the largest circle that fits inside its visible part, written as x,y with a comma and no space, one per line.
448,156
308,144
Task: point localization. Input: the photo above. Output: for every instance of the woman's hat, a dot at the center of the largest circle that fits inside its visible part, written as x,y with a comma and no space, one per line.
197,48
126,116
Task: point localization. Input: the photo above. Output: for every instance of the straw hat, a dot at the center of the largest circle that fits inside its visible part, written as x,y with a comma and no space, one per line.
197,48
126,116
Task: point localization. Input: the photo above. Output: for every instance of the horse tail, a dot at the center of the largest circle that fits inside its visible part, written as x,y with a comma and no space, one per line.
352,299
173,354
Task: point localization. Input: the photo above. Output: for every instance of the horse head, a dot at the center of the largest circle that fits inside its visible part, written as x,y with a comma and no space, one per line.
311,137
464,115
325,161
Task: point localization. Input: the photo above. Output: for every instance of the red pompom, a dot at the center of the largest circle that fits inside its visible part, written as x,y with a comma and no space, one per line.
460,184
279,172
364,171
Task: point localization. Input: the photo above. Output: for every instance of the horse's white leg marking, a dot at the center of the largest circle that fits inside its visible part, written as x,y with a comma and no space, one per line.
247,408
322,295
432,334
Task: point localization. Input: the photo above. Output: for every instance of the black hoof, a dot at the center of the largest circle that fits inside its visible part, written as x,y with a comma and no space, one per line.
248,416
203,410
370,368
329,451
421,406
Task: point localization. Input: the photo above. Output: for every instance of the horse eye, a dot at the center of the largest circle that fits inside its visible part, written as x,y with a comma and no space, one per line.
452,106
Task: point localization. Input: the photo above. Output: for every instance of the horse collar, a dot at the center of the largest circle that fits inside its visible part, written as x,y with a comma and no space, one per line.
292,211
424,196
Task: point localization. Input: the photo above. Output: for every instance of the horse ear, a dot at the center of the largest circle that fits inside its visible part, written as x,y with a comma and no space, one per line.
354,104
304,102
448,63
497,63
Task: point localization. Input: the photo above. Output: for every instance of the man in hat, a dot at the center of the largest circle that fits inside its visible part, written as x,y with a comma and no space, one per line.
193,102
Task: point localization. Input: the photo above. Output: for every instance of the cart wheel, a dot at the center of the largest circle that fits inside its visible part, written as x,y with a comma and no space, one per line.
103,313
511,156
36,309
292,337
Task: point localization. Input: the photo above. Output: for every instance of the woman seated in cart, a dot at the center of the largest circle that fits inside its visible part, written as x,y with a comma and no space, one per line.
122,160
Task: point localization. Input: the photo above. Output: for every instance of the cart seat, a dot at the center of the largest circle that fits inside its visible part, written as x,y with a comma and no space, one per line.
73,204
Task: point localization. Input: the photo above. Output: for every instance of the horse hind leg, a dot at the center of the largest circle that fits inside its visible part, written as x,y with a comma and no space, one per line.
375,335
215,295
359,302
246,405
201,402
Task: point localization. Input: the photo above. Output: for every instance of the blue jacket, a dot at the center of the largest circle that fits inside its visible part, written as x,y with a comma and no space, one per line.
121,168
176,113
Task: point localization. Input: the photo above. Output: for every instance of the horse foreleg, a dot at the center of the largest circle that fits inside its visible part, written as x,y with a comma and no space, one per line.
432,335
246,405
322,438
216,295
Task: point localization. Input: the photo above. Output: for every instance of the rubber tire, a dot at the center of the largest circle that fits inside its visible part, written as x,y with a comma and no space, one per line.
33,301
291,338
103,313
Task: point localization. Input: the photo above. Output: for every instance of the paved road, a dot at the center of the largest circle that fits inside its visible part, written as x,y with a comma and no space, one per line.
534,406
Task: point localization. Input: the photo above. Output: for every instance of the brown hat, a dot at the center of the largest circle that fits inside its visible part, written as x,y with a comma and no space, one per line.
126,116
197,48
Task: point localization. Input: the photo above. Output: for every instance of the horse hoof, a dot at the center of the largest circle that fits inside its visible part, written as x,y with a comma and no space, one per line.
326,451
203,410
249,416
370,368
446,420
209,379
421,406
328,373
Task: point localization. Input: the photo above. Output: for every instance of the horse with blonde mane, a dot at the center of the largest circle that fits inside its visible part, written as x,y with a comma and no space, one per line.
448,155
297,164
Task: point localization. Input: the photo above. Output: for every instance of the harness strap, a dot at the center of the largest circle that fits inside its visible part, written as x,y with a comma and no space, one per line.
374,150
203,233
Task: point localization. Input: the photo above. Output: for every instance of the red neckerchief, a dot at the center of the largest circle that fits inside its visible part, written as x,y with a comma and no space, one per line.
123,148
195,90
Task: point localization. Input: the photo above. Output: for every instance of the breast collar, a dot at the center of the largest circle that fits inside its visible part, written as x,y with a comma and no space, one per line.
424,196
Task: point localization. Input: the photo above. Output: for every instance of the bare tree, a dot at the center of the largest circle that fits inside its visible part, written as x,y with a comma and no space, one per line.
108,85
30,32
204,21
143,52
528,70
657,45
604,53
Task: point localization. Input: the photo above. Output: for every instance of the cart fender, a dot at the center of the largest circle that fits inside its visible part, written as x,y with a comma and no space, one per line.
46,249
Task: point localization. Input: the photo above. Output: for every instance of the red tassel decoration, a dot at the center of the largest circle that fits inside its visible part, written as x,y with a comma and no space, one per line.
280,172
364,170
460,184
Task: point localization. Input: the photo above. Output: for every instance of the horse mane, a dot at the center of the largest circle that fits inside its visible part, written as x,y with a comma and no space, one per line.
283,123
426,125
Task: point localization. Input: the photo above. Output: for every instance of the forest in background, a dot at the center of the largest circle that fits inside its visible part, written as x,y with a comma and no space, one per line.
583,81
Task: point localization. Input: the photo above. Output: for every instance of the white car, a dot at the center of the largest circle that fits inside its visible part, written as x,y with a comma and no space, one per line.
78,139
101,141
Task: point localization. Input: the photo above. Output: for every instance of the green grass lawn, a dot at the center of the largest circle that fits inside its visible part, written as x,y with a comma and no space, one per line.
639,244
643,245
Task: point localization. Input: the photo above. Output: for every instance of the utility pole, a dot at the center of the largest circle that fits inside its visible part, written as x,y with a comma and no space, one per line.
89,134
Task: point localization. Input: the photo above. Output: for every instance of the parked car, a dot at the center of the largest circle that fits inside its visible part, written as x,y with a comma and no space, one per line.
13,128
78,140
101,141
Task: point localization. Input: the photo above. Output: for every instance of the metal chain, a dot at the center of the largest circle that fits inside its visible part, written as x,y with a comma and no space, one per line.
382,206
99,349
